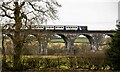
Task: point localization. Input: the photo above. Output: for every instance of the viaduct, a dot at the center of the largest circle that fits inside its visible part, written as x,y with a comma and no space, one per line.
44,36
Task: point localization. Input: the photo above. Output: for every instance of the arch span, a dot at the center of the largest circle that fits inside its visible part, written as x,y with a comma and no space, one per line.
31,45
89,38
56,44
63,37
83,43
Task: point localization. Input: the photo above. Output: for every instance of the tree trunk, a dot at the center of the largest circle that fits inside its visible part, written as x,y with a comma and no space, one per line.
17,38
17,51
3,53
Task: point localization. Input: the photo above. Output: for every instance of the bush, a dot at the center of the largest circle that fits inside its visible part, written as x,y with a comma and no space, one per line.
89,61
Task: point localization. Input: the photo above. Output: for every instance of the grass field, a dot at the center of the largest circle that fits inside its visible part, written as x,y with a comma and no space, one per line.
78,40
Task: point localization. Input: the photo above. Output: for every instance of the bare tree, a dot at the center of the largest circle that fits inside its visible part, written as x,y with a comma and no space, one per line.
19,13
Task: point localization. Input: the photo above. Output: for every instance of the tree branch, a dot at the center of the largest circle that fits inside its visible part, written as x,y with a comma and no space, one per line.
3,5
5,14
23,3
36,9
10,36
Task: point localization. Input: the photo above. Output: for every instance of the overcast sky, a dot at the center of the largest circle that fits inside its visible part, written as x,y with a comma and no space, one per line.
96,14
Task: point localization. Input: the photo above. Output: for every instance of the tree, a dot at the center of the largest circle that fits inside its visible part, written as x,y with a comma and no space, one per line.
18,13
114,51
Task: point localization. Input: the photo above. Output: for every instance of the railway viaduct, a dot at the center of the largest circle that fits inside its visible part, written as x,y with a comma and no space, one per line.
44,36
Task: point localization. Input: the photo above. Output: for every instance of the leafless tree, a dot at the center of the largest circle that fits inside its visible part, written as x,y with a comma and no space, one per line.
18,13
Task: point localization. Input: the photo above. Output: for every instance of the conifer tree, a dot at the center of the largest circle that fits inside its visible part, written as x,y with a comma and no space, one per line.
114,51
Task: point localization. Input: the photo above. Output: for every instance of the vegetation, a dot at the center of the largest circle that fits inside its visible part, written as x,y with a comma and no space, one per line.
114,51
86,61
78,40
56,59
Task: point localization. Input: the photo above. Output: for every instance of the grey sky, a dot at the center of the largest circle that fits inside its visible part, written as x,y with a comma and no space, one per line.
96,14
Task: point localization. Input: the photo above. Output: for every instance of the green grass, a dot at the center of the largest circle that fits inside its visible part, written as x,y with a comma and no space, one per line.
57,40
78,40
81,40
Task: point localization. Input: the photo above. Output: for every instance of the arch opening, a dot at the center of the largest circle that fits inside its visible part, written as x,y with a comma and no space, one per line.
31,45
82,43
106,41
56,45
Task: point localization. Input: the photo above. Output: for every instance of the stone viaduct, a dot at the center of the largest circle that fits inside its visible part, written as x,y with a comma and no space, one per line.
44,36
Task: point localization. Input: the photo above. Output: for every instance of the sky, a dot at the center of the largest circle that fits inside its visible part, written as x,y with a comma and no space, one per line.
96,14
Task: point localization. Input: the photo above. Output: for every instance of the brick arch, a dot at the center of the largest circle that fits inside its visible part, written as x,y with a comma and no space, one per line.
57,47
90,39
62,37
36,48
